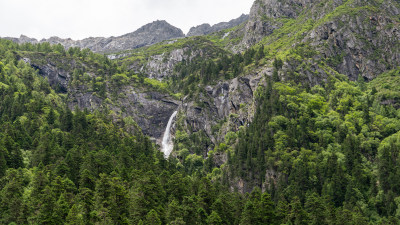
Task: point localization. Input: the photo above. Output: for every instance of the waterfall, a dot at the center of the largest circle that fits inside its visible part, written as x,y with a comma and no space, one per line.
167,144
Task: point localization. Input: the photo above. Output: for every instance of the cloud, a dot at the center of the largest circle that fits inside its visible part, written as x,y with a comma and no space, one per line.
83,18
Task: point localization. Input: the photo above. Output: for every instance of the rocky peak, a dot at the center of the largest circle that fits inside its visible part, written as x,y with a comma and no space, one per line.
148,34
206,28
54,39
199,30
22,39
159,26
158,30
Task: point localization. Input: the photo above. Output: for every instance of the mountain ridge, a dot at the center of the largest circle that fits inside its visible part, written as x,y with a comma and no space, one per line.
148,34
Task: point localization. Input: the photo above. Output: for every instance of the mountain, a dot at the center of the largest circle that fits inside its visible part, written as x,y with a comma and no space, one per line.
310,40
206,28
148,34
291,117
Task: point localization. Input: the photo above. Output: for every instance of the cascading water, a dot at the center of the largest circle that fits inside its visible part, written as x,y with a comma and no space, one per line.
167,144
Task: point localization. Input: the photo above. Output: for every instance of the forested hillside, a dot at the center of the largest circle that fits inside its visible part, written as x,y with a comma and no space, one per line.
79,167
291,117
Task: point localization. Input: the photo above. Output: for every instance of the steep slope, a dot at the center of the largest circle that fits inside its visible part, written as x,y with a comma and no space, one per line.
310,43
160,60
59,166
95,83
355,37
266,16
304,41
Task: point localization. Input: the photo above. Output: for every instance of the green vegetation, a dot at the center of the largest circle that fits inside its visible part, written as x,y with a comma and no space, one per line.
387,86
59,166
191,76
319,150
91,72
224,38
334,146
166,47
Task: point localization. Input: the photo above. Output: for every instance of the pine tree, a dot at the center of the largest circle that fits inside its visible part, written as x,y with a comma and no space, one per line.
152,218
297,215
316,209
61,209
214,219
11,202
266,209
260,53
51,117
45,207
174,211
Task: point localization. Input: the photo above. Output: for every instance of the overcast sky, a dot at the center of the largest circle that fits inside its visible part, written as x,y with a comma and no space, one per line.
79,19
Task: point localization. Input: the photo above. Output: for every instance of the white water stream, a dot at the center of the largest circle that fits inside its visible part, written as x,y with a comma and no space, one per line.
167,144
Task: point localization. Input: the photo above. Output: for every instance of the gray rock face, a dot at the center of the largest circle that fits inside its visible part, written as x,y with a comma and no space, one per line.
263,14
199,30
23,39
369,45
150,110
230,99
58,77
206,28
365,43
162,65
146,35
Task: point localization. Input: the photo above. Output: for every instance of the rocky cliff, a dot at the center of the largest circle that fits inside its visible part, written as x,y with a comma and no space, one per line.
149,109
362,44
355,38
265,14
162,64
230,100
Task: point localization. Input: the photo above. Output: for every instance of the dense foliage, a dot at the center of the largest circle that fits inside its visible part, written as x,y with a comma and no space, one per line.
332,150
78,167
313,154
326,154
204,71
